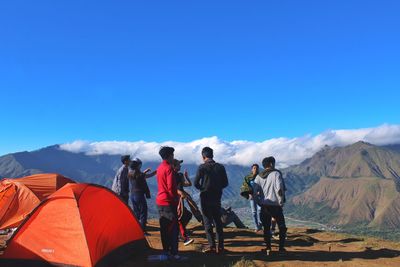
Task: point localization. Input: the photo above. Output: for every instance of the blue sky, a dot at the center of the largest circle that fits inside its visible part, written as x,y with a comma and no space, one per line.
183,70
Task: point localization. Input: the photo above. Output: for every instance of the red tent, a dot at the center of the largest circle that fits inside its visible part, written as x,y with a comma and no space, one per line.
79,225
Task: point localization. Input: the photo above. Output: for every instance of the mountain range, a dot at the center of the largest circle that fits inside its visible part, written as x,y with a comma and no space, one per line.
353,187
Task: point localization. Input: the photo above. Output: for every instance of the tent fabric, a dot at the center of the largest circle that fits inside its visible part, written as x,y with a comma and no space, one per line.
16,202
83,225
44,184
19,196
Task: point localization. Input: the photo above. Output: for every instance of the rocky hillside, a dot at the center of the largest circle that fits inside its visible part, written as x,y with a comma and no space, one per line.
367,201
356,185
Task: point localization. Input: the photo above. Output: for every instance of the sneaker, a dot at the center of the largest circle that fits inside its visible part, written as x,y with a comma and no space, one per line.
178,258
155,258
282,252
188,241
208,250
268,251
221,251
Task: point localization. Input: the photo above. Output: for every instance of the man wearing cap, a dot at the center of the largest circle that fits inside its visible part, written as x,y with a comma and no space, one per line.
121,181
182,180
140,191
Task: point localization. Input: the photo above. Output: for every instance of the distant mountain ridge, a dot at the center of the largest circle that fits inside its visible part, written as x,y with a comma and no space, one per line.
353,185
345,186
99,169
357,160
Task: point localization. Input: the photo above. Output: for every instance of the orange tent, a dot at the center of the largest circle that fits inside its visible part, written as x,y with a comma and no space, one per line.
44,184
79,225
18,197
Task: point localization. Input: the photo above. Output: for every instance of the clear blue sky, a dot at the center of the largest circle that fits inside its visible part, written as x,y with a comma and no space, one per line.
182,70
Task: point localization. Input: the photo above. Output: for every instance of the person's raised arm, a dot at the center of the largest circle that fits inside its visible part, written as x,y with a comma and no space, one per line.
187,181
148,175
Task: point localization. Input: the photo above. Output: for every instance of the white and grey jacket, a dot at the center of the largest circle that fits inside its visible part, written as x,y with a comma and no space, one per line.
269,188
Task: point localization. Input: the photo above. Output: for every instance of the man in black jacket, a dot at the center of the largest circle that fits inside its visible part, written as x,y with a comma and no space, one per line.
211,179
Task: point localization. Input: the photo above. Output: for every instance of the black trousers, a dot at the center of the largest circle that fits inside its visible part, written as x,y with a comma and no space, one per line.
212,215
266,214
169,229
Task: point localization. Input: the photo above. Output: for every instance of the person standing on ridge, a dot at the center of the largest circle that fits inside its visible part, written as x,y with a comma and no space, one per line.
167,202
270,193
249,180
211,179
182,180
121,182
140,191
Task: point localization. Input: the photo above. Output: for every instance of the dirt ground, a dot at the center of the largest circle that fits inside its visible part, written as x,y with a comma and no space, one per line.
305,247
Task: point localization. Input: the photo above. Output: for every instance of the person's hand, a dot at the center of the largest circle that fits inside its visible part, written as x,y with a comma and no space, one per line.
182,194
147,170
186,174
250,196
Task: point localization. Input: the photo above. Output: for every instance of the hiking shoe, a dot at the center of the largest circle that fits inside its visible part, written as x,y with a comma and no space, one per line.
221,251
267,250
188,241
177,258
155,258
282,252
208,250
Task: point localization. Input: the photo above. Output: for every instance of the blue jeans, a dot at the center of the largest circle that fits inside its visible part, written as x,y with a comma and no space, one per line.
255,212
139,204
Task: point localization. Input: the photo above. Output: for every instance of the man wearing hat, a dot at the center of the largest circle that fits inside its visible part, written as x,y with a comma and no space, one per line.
140,191
182,181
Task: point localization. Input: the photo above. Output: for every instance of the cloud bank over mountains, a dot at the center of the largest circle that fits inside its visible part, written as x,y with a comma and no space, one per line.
287,151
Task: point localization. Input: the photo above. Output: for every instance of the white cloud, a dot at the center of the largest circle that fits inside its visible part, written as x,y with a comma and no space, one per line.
287,151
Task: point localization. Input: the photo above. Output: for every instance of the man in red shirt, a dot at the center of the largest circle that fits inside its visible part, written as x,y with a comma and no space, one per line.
167,202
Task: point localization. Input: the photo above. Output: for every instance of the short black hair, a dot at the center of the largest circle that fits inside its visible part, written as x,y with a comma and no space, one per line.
268,162
255,165
166,151
125,158
207,152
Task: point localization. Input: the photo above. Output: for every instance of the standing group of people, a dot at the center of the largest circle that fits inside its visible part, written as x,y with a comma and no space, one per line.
130,174
265,189
211,179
